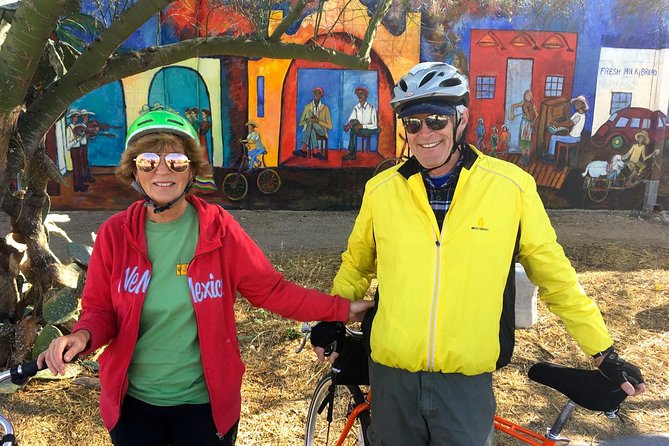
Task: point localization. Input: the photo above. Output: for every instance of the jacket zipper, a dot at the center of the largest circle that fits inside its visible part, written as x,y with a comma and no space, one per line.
124,383
432,334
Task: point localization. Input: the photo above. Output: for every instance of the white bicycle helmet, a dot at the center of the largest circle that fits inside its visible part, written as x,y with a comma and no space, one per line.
436,82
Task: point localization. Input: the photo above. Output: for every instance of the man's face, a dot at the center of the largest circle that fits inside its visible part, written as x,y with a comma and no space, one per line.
579,105
362,97
431,147
317,95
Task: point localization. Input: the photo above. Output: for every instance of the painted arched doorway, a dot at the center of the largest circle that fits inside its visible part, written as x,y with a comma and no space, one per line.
182,90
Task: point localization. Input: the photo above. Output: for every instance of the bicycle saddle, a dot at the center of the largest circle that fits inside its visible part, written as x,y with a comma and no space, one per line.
587,388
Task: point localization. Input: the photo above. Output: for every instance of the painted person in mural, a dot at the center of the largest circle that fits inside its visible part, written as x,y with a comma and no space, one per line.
160,290
362,122
528,117
253,144
444,321
315,121
204,126
573,127
636,159
74,134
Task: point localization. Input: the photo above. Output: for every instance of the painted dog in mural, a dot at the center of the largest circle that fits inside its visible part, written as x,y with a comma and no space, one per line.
596,169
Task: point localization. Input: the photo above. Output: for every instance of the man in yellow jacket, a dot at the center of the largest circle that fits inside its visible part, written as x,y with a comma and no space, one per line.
442,232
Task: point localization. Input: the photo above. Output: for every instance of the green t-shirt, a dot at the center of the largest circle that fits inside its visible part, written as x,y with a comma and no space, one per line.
166,367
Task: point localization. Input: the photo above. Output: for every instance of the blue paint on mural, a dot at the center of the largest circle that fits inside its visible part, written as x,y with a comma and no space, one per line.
106,126
226,123
144,36
183,90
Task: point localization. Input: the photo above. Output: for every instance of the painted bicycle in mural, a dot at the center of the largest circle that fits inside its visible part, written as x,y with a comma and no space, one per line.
236,185
600,177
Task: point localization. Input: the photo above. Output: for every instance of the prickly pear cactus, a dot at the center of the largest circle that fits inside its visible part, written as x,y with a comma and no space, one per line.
62,305
80,253
48,333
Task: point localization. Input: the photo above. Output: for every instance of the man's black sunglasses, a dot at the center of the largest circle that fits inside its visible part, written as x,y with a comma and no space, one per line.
433,122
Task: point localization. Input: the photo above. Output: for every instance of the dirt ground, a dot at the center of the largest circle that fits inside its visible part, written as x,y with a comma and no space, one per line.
280,232
622,260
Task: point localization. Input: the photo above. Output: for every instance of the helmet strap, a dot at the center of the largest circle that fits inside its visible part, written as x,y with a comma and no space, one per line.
157,209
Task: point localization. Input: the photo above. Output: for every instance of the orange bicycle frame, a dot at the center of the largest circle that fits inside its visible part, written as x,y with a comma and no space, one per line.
357,410
525,435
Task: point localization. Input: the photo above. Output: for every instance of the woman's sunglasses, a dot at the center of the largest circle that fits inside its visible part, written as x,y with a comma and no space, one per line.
148,162
433,122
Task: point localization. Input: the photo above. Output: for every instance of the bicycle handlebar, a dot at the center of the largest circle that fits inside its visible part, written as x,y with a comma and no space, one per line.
20,373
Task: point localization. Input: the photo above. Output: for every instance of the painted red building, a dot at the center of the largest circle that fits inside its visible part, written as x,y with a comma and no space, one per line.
505,65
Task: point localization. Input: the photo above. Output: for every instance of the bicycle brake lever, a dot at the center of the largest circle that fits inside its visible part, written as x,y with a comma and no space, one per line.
305,329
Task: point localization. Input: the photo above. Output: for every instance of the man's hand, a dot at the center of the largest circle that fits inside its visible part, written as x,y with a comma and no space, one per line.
621,372
358,309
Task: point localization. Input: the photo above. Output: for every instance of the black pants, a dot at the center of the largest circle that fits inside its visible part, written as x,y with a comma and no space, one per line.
143,424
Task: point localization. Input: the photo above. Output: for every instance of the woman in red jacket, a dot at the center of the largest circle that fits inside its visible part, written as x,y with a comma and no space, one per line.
159,293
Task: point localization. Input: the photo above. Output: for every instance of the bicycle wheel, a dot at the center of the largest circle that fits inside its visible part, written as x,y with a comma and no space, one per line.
319,432
235,186
598,189
386,164
268,181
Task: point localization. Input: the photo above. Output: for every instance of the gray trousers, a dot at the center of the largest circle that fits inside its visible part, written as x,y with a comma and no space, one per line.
435,409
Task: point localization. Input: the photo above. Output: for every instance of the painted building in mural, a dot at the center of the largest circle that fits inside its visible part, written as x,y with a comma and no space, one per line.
581,105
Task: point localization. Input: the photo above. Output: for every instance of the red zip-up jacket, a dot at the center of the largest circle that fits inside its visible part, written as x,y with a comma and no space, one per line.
226,260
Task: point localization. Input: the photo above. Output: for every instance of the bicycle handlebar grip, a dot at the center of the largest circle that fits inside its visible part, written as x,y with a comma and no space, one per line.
22,372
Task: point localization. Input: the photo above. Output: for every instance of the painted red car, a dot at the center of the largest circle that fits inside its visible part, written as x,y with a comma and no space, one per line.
618,132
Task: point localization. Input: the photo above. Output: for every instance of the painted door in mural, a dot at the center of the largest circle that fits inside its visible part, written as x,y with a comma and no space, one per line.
350,81
518,81
338,95
330,81
183,91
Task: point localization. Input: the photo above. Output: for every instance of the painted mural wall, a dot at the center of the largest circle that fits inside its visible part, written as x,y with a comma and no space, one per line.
581,105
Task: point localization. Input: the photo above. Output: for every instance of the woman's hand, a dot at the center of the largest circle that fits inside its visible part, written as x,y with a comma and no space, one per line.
62,350
358,309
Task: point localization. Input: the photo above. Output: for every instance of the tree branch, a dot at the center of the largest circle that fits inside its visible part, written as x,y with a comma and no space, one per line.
97,53
22,49
372,27
288,20
53,104
87,65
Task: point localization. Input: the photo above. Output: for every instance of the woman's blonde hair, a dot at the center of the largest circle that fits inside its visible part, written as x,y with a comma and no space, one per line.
161,143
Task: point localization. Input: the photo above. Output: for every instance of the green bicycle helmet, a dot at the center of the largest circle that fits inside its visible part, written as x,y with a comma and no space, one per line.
160,121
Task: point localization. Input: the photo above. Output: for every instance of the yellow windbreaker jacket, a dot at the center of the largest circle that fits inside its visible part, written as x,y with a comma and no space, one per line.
447,297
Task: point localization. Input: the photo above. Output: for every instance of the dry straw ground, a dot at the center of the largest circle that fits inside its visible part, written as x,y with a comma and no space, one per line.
629,280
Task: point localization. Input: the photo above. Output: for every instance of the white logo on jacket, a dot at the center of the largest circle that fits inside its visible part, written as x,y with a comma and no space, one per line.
211,289
133,283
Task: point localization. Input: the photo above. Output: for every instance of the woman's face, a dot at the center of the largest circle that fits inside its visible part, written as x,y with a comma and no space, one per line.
162,184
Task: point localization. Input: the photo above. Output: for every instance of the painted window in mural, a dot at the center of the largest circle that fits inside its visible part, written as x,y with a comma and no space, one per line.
182,90
485,87
261,97
554,85
326,101
620,100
